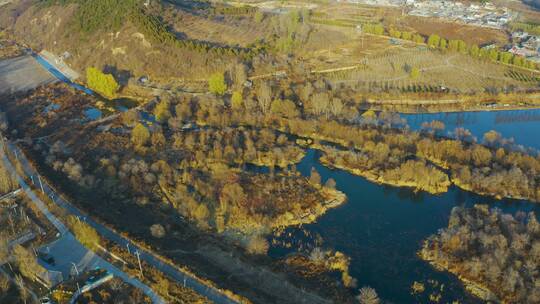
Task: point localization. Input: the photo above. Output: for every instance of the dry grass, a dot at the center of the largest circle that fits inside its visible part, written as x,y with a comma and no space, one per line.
228,30
460,73
451,30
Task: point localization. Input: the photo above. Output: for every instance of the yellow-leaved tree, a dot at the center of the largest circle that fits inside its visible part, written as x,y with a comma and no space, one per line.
104,84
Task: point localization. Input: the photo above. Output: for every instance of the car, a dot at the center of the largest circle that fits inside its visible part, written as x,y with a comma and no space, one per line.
45,300
47,258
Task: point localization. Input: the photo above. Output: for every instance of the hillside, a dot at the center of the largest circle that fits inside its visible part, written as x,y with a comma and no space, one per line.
128,38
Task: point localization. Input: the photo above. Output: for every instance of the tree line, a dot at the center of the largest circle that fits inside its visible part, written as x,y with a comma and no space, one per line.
453,45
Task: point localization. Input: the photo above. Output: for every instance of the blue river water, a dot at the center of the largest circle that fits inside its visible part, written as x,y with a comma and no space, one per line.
521,125
381,228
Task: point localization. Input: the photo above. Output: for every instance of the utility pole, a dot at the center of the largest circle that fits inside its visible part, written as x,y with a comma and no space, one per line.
40,184
76,269
139,259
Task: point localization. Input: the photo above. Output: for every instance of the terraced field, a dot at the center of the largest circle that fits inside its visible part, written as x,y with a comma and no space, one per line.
225,30
391,70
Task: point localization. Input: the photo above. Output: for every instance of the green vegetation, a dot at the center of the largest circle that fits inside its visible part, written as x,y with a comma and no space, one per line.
531,28
216,84
437,42
237,101
233,10
495,254
106,15
84,233
140,135
414,73
163,111
105,84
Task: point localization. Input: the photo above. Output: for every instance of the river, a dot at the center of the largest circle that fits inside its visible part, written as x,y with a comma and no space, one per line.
381,228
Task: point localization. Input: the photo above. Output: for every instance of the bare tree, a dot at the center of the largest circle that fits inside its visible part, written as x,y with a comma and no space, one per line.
320,103
264,97
368,295
23,292
4,250
336,106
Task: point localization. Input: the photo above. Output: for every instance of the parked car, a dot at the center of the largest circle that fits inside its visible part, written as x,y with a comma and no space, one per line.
45,300
47,258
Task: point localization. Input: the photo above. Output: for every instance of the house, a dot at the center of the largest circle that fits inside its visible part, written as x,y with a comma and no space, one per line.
521,51
531,42
519,35
488,46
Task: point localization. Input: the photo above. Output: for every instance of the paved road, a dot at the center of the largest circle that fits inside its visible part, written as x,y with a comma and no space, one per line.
67,250
177,274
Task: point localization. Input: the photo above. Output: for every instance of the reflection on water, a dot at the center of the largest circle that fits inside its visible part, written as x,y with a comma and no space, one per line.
521,125
382,227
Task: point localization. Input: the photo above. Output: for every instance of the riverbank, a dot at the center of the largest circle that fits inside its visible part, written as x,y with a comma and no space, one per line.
377,178
449,105
332,199
475,288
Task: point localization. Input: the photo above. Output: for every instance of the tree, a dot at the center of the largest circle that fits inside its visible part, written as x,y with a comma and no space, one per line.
264,97
201,213
23,292
320,103
105,84
216,84
481,155
87,235
3,121
26,262
474,51
157,231
443,44
158,139
434,41
162,111
4,250
330,183
257,245
140,135
415,73
259,16
284,108
368,295
315,177
237,101
491,138
162,286
406,35
238,74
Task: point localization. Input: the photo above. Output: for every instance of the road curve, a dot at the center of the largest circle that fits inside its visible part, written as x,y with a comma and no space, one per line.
182,277
64,231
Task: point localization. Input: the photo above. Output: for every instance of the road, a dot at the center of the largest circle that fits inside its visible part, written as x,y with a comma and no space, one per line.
177,274
71,251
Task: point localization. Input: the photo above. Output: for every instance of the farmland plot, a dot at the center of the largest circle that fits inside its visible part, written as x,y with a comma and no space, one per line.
459,73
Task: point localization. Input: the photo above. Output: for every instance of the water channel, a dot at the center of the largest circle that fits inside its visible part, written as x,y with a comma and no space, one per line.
381,228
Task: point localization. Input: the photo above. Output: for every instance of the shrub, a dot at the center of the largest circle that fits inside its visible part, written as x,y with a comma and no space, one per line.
140,135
